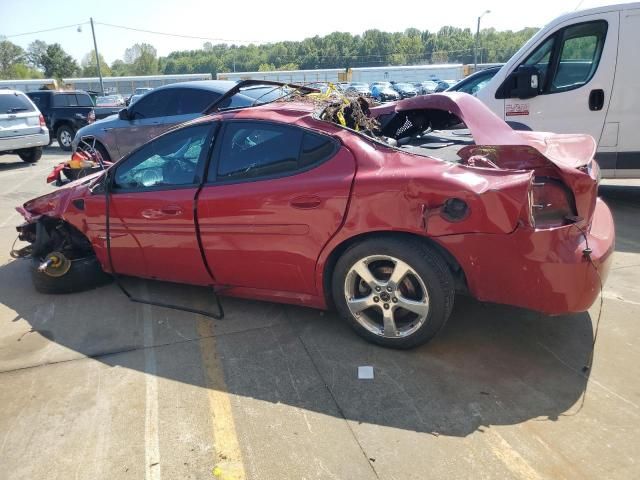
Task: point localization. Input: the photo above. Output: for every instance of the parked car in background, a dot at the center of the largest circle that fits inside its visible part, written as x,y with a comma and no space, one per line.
384,93
358,88
159,110
23,130
110,101
444,85
65,112
386,226
134,98
428,86
474,82
406,90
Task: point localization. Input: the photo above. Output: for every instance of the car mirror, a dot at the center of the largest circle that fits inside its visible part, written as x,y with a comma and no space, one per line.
124,114
525,82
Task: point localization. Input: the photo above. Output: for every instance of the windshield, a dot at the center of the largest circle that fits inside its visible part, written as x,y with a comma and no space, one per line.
405,86
15,102
248,96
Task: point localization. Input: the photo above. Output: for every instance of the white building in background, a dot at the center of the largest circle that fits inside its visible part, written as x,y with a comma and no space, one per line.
127,85
411,73
289,76
29,85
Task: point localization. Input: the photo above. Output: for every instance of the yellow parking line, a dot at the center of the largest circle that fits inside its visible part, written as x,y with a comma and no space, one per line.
228,464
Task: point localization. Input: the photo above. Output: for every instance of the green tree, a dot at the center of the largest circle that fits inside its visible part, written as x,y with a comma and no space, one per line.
119,68
57,63
35,53
143,59
10,55
90,66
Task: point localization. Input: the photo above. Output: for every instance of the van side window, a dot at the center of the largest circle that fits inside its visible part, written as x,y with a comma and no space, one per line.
569,58
579,55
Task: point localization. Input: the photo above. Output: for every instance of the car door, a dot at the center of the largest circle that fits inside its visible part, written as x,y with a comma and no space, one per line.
275,194
145,121
152,223
576,64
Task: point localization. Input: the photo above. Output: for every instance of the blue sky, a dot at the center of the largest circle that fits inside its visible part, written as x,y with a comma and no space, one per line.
253,20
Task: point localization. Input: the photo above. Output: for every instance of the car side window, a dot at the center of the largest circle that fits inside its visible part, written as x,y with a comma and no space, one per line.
153,105
83,100
579,55
541,57
251,150
168,161
61,100
191,100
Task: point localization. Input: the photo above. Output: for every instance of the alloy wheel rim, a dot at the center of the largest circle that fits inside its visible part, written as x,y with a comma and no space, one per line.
65,138
386,296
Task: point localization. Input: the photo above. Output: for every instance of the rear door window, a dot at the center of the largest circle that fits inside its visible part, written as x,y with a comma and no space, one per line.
254,150
64,100
15,103
191,100
83,100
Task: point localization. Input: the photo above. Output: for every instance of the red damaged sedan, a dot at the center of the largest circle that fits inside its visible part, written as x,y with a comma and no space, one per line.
385,217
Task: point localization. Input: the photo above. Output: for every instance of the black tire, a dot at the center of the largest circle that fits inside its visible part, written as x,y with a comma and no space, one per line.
84,274
103,152
63,134
30,155
425,262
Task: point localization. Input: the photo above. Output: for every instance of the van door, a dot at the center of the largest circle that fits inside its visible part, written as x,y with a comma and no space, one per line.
619,146
576,65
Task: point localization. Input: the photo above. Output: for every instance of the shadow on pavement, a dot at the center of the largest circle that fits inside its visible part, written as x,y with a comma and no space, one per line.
624,201
491,365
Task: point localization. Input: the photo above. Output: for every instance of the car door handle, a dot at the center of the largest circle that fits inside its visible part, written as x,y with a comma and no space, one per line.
306,202
596,100
154,213
171,210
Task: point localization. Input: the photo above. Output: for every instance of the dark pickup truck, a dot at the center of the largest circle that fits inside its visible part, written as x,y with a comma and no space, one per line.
64,112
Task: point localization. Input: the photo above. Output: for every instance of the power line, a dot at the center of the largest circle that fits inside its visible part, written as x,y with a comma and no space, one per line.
74,25
179,35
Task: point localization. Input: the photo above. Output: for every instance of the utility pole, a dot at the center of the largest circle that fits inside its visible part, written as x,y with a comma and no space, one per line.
475,50
95,46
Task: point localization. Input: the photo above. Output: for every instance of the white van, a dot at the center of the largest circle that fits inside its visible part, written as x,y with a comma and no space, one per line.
579,74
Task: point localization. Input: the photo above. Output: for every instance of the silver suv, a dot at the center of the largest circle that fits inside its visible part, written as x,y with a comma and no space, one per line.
22,127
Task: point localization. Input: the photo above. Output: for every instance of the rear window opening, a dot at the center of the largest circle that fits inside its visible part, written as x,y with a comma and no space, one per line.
15,103
426,132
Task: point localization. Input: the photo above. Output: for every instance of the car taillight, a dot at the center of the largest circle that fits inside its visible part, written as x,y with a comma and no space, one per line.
552,203
91,117
42,122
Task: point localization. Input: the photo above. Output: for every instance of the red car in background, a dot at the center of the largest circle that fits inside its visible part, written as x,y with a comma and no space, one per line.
279,203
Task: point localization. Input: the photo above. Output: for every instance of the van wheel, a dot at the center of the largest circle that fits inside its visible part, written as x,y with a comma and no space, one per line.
395,292
83,274
65,136
30,155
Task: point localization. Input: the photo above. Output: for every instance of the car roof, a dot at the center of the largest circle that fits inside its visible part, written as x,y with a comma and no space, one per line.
218,86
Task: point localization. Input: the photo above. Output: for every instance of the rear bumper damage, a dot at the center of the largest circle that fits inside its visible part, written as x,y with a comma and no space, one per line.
543,270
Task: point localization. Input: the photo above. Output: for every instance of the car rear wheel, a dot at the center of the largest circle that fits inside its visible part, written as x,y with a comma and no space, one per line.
30,155
82,274
395,292
65,136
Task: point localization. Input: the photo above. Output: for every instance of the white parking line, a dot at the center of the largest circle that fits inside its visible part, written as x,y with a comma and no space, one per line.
151,437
